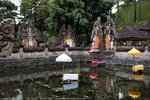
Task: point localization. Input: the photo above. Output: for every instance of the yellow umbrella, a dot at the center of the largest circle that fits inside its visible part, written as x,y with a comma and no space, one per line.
134,94
134,52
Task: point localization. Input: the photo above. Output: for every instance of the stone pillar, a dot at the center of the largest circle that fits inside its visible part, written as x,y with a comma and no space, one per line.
21,53
46,52
115,45
146,49
66,50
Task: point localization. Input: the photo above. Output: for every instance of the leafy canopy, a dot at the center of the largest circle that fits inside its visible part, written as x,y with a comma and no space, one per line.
50,15
80,14
7,9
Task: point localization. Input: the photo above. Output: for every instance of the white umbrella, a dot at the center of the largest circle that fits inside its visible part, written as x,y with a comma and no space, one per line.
63,58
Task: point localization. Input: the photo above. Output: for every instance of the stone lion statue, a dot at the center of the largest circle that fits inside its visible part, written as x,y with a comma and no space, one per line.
6,37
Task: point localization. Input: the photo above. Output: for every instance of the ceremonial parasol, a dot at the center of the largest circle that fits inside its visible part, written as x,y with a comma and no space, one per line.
134,52
63,58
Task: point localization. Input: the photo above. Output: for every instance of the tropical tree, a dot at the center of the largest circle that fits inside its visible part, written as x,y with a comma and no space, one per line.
41,14
7,9
35,11
80,14
27,8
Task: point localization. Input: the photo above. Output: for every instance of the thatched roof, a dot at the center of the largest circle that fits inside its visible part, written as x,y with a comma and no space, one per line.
131,33
145,27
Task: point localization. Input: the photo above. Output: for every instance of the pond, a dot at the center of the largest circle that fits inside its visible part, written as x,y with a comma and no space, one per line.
95,83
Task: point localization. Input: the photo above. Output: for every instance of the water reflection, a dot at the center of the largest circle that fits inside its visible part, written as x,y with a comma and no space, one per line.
70,86
137,76
19,96
92,76
134,94
95,83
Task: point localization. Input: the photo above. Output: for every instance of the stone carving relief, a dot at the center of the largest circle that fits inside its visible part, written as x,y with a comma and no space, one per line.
6,37
27,35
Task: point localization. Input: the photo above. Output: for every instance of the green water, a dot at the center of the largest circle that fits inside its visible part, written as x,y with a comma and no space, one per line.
44,83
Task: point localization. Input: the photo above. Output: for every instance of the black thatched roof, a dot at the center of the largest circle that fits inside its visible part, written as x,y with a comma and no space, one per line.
131,33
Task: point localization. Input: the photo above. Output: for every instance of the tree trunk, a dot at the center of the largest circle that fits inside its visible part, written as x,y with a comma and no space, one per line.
134,10
139,10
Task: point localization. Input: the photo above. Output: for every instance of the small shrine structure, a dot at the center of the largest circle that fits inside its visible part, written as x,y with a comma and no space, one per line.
65,36
28,37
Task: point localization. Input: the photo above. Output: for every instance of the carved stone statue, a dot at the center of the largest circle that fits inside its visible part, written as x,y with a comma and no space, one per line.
96,36
110,30
6,37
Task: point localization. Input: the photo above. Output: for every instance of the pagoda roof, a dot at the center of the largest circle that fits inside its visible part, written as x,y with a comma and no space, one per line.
145,27
131,33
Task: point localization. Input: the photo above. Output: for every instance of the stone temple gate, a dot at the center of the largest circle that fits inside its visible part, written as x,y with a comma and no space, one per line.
6,37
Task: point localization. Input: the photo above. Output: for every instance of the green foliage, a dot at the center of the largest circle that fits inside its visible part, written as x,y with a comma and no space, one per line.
80,14
7,9
52,39
50,15
26,7
37,12
41,13
83,39
127,14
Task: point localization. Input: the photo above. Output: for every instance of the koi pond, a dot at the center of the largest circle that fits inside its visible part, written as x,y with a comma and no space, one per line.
95,83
